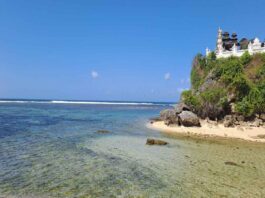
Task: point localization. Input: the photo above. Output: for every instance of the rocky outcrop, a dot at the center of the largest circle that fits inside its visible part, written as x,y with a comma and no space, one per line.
188,119
180,115
209,81
181,107
155,142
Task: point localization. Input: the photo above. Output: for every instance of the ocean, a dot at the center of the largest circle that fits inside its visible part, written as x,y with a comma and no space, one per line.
52,148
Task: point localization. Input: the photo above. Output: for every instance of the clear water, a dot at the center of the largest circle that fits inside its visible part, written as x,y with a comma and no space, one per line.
54,150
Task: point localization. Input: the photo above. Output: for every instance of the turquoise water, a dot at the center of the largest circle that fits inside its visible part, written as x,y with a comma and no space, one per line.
54,150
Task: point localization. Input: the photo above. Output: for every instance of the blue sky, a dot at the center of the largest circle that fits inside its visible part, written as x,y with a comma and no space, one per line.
112,49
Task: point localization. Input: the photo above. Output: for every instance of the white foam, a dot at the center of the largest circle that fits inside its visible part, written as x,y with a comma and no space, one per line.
82,102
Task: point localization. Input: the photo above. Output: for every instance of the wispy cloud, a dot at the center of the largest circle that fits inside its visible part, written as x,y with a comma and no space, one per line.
94,74
167,76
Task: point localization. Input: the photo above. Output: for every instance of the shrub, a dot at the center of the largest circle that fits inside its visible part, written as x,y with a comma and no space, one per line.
240,86
230,68
190,100
196,79
214,103
245,108
253,103
245,58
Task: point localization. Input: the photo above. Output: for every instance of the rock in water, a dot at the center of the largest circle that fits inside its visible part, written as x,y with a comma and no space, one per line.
231,163
155,142
189,119
103,131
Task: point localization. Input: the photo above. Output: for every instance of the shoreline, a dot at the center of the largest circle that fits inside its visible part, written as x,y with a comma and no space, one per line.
209,130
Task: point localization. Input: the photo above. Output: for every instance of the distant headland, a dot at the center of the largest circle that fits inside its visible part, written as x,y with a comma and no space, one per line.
227,95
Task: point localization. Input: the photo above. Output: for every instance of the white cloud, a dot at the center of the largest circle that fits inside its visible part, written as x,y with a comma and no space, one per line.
167,76
94,74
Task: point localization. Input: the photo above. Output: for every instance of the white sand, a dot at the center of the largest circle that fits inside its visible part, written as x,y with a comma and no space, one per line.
213,130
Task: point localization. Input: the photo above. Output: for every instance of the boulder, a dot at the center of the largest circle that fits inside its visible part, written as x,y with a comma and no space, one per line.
229,121
181,107
189,119
169,116
155,142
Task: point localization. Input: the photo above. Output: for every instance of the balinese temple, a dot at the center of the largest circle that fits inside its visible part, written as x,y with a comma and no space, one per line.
227,45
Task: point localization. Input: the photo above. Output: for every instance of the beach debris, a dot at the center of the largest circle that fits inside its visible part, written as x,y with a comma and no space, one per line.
103,131
189,119
150,141
231,163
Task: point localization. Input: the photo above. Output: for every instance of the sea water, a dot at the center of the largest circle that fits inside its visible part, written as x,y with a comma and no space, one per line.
53,149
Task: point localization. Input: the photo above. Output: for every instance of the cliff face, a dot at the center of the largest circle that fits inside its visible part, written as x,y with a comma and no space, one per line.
231,86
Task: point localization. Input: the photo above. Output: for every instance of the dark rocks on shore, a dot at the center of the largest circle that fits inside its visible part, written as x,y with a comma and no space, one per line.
229,121
180,115
189,119
155,119
155,142
262,117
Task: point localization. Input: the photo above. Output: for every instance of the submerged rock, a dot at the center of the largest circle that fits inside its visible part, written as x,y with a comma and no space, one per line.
103,131
155,142
189,119
231,163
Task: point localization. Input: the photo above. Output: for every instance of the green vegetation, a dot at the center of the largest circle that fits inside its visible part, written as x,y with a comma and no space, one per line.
218,83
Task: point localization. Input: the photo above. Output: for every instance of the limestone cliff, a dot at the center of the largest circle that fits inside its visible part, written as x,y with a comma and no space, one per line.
227,86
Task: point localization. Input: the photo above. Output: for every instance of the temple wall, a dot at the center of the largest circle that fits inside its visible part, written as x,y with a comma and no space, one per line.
239,53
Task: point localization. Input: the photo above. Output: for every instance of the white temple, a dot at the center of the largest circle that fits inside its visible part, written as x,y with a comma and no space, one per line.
221,51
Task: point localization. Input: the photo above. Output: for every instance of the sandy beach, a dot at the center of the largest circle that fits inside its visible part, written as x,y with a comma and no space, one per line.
255,134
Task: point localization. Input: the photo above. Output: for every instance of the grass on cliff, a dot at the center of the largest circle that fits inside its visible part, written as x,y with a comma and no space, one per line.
218,83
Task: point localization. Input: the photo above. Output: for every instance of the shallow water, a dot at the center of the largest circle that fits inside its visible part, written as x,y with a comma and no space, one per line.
54,150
